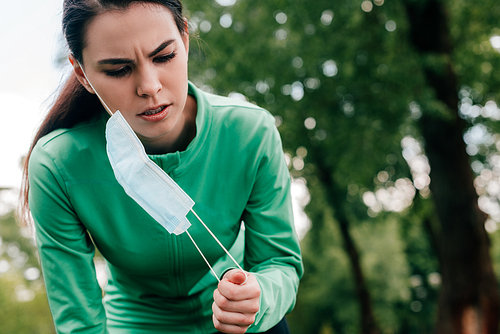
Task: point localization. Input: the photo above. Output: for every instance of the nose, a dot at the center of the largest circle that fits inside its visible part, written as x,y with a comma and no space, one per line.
148,82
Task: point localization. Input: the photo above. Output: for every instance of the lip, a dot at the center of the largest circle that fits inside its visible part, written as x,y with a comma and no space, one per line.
156,117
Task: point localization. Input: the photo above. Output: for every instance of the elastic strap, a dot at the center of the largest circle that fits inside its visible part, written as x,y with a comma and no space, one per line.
220,244
99,96
202,255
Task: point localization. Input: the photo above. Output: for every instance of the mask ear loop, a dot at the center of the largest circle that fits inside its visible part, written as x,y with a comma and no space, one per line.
221,245
95,91
201,221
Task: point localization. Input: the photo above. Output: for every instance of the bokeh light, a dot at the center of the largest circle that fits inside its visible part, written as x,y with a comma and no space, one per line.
367,6
281,34
390,26
226,20
226,3
205,26
327,17
495,42
330,68
310,123
281,18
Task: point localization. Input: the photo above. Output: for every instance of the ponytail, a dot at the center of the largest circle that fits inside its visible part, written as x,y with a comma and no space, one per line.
73,105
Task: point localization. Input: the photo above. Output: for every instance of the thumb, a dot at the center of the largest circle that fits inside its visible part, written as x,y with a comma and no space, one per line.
236,276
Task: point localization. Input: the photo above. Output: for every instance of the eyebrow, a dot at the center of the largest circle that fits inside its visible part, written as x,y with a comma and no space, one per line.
116,61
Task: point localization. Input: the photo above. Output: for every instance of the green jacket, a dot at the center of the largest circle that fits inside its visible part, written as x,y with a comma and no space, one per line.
233,169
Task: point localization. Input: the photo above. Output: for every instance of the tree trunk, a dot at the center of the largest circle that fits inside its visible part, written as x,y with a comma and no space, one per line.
469,300
336,198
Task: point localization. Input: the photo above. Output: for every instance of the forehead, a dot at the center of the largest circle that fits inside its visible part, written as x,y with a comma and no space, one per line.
141,25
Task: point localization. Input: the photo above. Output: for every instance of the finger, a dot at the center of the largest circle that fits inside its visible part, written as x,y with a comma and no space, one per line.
239,292
228,328
244,306
233,318
236,276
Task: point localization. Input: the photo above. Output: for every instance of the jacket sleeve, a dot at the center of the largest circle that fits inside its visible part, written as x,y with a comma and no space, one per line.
272,251
66,251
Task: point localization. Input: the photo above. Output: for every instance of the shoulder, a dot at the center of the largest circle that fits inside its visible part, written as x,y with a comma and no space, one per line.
63,145
238,115
241,128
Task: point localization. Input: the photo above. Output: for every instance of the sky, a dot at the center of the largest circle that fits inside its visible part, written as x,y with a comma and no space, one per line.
29,39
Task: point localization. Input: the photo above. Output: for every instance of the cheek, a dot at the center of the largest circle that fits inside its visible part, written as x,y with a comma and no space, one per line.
175,81
175,77
121,94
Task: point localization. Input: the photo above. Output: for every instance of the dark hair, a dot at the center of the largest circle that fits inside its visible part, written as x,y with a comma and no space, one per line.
74,103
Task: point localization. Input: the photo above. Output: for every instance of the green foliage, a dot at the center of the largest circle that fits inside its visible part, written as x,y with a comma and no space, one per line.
355,75
385,265
325,298
22,294
31,316
340,82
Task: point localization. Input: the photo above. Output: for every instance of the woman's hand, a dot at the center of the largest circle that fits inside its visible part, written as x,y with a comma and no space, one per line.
236,304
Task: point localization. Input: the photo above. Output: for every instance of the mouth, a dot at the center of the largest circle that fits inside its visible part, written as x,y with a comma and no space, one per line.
155,114
151,112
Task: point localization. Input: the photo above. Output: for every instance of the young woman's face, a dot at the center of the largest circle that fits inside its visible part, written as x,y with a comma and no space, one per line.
136,60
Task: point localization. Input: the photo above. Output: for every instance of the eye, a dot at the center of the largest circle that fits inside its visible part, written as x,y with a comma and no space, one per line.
119,73
165,59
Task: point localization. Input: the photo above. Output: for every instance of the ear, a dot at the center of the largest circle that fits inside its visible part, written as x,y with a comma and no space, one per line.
79,73
185,36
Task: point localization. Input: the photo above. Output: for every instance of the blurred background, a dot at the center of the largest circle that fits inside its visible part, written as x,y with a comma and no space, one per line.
388,111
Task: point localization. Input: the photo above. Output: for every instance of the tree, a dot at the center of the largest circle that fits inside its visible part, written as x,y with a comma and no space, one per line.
464,245
347,81
322,108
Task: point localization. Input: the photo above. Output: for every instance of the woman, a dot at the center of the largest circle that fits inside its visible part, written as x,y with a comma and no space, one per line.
225,154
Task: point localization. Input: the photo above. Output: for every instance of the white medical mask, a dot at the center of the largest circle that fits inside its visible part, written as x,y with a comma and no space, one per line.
146,183
142,179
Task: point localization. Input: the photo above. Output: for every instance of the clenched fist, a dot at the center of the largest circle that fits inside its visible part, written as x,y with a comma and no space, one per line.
236,302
